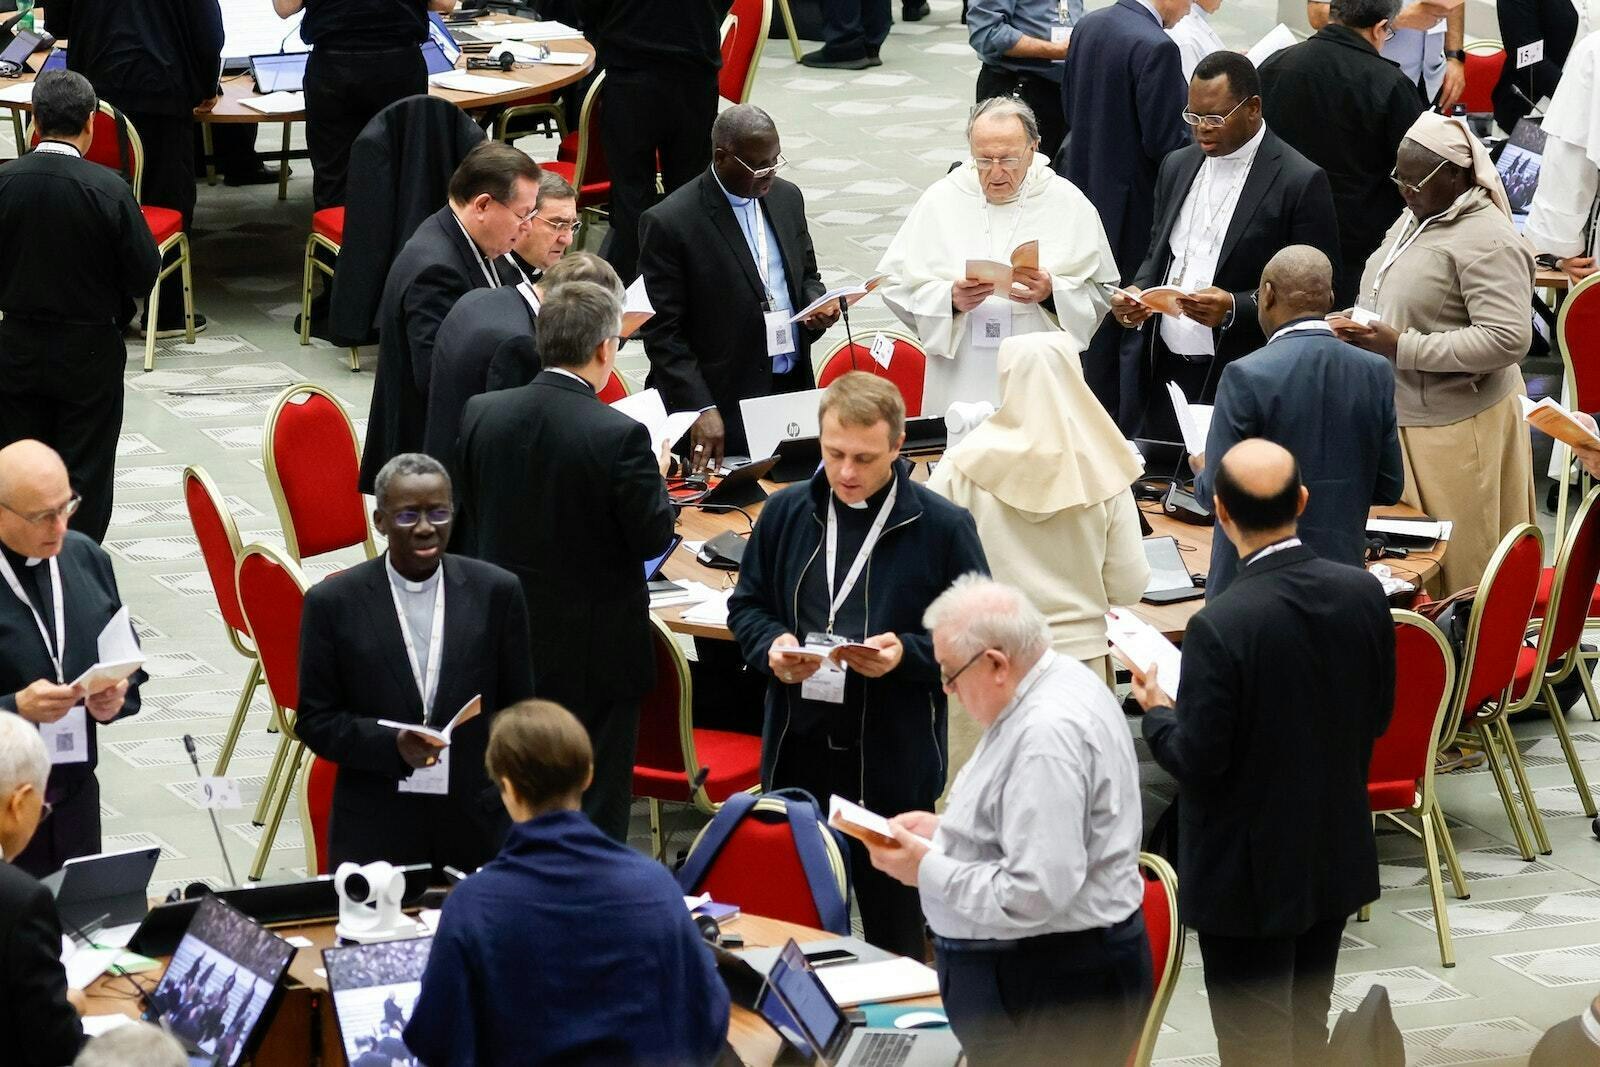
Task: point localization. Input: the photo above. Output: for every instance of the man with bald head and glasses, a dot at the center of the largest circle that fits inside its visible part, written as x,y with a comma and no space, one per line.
59,595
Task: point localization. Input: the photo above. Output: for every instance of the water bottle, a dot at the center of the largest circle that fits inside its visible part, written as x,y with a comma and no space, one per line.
25,11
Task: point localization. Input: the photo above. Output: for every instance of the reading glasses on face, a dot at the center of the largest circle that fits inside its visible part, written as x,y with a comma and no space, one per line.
990,162
1407,187
51,515
764,172
571,226
1213,122
947,680
521,216
411,516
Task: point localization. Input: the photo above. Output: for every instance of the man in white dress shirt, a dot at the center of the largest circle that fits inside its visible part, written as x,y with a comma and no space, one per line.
1195,36
1031,885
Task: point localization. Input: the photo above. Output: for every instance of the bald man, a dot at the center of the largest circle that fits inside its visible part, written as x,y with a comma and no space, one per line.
59,595
1287,679
1329,403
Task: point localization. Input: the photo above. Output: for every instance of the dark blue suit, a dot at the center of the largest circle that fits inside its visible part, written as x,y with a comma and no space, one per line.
568,948
1331,405
1122,97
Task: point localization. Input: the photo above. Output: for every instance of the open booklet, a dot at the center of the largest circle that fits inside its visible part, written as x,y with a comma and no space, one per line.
824,651
468,712
1158,298
850,294
1000,274
862,824
1551,416
119,655
636,308
1194,420
646,407
1139,646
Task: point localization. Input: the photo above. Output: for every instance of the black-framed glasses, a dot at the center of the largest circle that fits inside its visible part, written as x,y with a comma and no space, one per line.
1388,31
1214,122
764,172
1407,187
409,517
560,225
39,518
947,680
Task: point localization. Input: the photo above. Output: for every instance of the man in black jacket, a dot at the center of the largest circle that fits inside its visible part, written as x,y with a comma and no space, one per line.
727,260
1275,846
856,554
568,495
1346,108
38,1013
158,62
65,303
492,201
1224,206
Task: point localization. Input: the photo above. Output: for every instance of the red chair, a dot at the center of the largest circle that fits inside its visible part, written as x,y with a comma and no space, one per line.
1484,688
117,145
744,32
1578,339
759,868
218,537
614,390
327,232
272,593
1485,60
316,804
672,750
586,171
312,460
1400,776
1165,935
906,367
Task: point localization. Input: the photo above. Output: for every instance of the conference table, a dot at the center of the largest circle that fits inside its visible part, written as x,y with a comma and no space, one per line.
303,1029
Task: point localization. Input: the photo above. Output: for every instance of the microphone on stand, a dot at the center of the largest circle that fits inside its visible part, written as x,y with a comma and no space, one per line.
844,311
216,828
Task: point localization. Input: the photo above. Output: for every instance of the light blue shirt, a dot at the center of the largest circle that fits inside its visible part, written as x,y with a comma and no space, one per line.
748,211
1420,56
995,26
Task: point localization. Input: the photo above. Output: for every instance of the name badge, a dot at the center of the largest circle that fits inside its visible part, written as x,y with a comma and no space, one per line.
67,739
991,324
827,685
780,333
1060,34
433,781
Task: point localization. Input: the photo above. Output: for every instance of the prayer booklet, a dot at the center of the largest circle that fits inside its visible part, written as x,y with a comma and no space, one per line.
119,655
1554,419
468,712
1193,419
863,983
1159,298
862,824
824,651
1140,646
848,293
1000,275
636,307
646,407
1277,39
279,103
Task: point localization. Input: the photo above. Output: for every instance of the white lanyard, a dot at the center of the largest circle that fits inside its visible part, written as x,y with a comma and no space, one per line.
429,686
1395,252
516,266
1063,16
477,254
854,573
56,654
1202,201
526,289
1280,546
758,232
988,235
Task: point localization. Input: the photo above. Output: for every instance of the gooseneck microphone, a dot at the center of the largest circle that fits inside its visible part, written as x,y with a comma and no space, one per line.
216,828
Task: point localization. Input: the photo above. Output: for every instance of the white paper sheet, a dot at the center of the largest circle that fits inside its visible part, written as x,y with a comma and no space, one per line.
1194,420
17,94
862,983
95,1025
1144,645
646,407
252,28
526,31
713,612
280,103
118,652
463,82
1277,39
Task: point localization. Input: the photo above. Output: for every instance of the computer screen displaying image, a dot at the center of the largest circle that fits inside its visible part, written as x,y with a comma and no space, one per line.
1519,164
374,990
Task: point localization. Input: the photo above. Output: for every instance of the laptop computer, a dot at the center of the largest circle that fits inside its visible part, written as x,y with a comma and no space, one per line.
796,1004
277,72
1518,163
221,982
926,433
770,419
374,989
109,887
1170,580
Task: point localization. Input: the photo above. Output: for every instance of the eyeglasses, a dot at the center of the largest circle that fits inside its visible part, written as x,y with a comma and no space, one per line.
1407,187
764,172
409,517
1388,31
947,680
521,216
39,518
1213,122
560,225
991,162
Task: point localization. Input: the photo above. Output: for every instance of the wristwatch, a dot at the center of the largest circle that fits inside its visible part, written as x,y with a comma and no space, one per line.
1459,54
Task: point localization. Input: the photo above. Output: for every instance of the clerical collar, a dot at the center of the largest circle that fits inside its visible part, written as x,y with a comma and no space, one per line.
1309,324
401,582
875,501
1245,152
17,559
58,148
1148,6
736,201
1276,546
570,374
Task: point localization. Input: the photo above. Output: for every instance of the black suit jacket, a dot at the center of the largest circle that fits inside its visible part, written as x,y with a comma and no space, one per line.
1555,22
437,267
565,493
41,1027
1285,201
354,671
706,341
486,342
1287,680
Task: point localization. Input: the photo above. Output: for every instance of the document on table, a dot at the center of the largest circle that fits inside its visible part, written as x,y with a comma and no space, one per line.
713,612
21,93
1193,419
863,983
1141,646
646,407
526,31
463,82
279,103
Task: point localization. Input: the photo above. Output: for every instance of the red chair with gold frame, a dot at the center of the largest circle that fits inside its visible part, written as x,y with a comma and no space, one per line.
1485,59
1165,935
615,389
218,537
587,172
672,751
327,232
316,805
272,594
906,367
1578,341
312,461
744,33
759,868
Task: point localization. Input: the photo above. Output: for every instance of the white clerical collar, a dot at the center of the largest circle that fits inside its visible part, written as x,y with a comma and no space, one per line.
58,148
1303,326
1148,6
401,582
570,374
1246,152
1276,546
736,201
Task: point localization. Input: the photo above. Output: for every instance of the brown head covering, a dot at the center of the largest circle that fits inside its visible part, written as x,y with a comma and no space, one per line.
1450,140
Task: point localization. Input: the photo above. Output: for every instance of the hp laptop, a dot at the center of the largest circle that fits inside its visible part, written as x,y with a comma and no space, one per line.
220,984
770,419
374,989
109,887
796,1004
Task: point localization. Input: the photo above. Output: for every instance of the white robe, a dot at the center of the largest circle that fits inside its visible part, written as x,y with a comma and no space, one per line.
947,227
1563,203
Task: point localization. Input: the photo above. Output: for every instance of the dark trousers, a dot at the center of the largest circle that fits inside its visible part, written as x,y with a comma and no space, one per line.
1196,377
891,913
343,91
464,832
614,734
661,113
168,182
72,830
855,27
63,385
233,149
1269,996
1077,997
1037,91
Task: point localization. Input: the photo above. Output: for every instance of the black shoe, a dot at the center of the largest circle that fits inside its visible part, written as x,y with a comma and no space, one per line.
915,12
822,59
259,176
176,328
874,59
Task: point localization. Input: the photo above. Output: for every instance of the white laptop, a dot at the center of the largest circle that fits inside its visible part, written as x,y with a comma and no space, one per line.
770,419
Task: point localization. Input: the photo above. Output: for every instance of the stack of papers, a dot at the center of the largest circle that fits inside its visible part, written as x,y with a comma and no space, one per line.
688,592
279,103
1141,646
1194,420
526,31
863,983
647,408
713,612
462,82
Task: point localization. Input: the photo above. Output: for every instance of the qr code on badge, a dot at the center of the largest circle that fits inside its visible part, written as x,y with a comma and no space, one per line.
991,330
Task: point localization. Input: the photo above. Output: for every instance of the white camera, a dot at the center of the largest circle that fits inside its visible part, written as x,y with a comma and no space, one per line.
369,903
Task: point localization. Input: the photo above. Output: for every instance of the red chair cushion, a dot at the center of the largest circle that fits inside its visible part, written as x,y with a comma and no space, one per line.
733,761
164,223
1542,601
1391,796
216,550
329,222
591,193
319,800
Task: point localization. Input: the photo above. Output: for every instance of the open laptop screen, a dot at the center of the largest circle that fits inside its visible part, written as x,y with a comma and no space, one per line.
375,988
1518,164
806,1000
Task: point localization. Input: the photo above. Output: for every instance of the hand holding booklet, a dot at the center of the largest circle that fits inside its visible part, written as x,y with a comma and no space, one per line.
647,407
468,712
1000,275
865,826
1554,419
118,652
850,294
1141,646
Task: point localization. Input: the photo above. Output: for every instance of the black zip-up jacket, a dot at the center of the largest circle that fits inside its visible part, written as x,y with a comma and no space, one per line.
647,34
926,544
158,57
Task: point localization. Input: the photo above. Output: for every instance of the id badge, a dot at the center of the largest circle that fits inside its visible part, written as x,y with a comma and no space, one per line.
991,324
1060,34
67,739
827,684
1362,317
780,333
433,781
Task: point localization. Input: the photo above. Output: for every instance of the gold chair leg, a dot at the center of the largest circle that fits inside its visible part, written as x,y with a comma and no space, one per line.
1558,717
1584,668
240,713
355,360
271,783
1365,914
1514,757
283,163
656,843
186,272
1441,917
1441,830
152,312
264,849
788,24
1492,755
306,276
